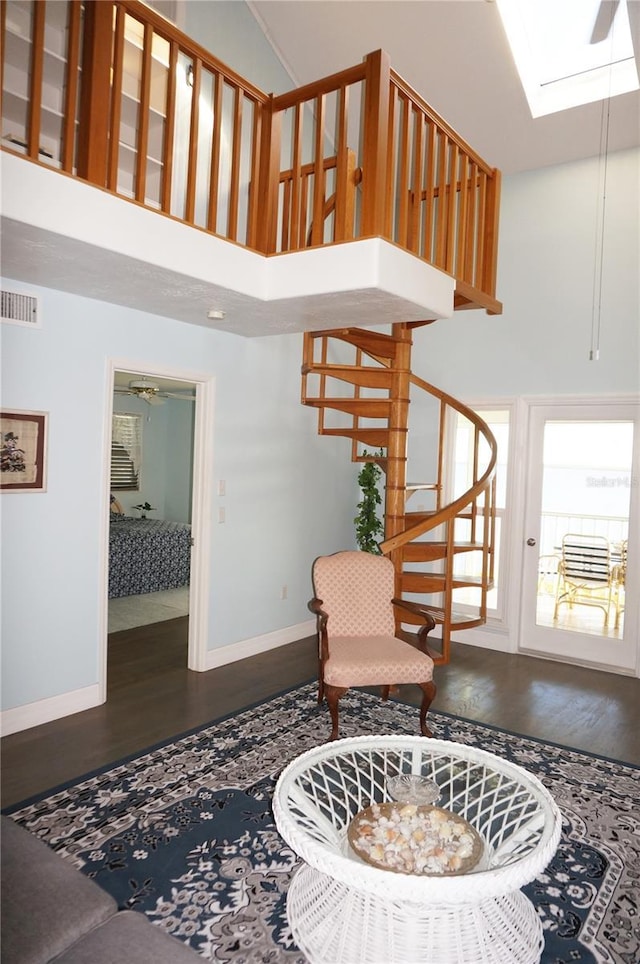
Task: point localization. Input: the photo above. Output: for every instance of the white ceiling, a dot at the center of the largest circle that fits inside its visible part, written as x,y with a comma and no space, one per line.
454,53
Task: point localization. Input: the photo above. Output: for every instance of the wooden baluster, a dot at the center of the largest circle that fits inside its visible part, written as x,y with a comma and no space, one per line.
236,151
143,119
192,162
345,166
442,429
214,170
322,389
375,188
317,229
403,171
462,208
95,92
470,228
71,87
169,133
416,187
452,203
286,215
347,229
116,100
491,234
304,207
297,228
254,201
441,191
480,229
391,162
429,189
35,84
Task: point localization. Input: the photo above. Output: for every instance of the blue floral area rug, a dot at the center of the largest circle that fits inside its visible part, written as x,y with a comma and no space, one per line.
185,834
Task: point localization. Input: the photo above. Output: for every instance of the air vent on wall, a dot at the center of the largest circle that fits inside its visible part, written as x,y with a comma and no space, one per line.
19,309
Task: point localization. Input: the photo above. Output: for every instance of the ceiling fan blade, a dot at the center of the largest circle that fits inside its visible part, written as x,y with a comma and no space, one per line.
185,398
155,400
604,20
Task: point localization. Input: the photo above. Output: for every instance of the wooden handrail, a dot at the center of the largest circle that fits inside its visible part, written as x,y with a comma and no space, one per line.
416,183
480,485
438,121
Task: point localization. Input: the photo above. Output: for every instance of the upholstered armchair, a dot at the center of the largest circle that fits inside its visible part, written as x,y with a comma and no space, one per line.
357,643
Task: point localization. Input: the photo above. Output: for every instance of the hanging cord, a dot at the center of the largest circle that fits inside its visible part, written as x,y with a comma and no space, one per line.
598,257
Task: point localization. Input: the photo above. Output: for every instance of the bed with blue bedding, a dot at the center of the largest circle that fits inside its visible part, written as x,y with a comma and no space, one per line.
147,555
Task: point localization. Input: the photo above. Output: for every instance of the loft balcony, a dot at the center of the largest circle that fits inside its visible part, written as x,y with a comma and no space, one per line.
346,202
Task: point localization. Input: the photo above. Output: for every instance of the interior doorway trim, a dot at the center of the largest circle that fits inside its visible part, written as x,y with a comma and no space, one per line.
201,519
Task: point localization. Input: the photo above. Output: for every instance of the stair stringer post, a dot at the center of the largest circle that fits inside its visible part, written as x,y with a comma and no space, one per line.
398,426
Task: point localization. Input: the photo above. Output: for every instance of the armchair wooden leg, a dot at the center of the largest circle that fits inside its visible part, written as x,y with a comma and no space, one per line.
333,694
429,690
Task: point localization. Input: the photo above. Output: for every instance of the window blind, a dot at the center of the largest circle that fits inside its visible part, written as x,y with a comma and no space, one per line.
126,452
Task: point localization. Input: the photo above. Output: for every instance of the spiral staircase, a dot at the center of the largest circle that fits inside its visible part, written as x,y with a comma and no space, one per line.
360,381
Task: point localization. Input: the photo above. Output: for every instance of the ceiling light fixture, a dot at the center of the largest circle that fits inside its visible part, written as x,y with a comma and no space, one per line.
215,314
144,389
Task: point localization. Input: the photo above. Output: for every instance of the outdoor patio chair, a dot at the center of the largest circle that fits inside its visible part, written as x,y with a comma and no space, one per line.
585,576
620,577
357,643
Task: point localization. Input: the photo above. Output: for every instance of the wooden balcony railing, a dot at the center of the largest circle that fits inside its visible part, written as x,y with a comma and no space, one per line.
111,92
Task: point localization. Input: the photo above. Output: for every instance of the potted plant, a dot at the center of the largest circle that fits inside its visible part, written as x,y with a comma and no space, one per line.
369,527
143,508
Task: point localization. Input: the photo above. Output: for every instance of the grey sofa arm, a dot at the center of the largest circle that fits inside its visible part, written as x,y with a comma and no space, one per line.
49,910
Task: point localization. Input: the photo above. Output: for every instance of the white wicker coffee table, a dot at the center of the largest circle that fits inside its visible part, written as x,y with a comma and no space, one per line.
341,909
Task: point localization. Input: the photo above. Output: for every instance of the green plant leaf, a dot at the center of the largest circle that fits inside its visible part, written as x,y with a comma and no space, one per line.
369,527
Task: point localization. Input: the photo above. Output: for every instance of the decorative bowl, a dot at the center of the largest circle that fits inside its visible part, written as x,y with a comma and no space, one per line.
409,839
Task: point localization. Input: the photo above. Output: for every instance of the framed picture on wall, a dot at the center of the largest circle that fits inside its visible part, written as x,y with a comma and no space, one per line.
23,451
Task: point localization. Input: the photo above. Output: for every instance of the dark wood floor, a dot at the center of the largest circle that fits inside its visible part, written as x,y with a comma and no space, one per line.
153,697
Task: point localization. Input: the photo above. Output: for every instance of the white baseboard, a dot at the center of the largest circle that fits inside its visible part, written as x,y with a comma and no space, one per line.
486,639
258,644
53,708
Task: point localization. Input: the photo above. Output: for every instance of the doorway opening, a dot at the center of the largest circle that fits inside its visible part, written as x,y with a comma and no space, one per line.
151,483
157,470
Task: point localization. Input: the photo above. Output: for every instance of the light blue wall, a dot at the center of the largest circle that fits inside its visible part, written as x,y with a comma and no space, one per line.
178,460
546,262
290,494
228,29
166,476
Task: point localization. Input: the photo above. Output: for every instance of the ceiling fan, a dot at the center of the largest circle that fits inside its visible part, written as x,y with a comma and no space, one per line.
604,20
151,392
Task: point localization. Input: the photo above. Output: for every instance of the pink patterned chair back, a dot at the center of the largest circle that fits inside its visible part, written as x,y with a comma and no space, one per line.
356,589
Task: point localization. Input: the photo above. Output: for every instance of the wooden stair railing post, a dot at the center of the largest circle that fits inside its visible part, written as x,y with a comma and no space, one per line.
490,264
376,133
269,179
95,92
396,480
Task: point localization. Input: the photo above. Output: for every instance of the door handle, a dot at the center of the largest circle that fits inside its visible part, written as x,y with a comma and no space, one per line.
531,542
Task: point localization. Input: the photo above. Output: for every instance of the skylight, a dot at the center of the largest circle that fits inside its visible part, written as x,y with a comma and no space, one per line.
570,52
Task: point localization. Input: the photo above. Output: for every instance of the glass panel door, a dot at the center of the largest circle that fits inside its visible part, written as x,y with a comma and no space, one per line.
579,506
